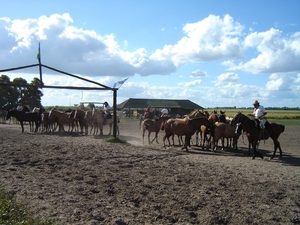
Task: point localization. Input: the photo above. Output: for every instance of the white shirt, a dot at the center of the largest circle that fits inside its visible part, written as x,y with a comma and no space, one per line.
259,112
165,111
19,108
106,108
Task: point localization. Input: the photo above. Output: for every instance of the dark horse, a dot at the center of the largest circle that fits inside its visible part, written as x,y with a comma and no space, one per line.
254,133
22,116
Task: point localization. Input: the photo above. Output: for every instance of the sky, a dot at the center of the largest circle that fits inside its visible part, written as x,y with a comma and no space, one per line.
213,53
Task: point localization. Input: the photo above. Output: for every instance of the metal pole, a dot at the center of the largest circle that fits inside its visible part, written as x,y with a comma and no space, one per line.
40,64
115,113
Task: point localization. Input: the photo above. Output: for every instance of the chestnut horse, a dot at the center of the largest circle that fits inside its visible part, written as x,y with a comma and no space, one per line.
183,127
61,118
153,125
204,130
254,133
79,115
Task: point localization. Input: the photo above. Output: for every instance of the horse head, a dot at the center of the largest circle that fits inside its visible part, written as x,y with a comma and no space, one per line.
214,117
222,117
239,117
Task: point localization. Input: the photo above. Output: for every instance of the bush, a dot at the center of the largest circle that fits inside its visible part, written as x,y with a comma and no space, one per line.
13,212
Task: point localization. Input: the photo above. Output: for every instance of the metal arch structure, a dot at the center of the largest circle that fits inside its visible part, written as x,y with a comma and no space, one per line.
102,88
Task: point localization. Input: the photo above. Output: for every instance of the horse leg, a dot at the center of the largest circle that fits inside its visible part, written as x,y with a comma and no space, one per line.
155,137
36,126
101,129
149,137
276,145
22,126
164,139
255,150
186,143
109,128
180,140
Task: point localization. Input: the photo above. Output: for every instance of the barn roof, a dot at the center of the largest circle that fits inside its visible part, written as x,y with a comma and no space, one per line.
141,103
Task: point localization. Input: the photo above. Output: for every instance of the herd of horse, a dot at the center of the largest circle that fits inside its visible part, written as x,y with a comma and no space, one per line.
88,122
210,128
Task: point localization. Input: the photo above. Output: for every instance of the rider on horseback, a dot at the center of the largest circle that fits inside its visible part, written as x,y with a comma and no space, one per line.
20,107
259,114
106,110
164,112
147,110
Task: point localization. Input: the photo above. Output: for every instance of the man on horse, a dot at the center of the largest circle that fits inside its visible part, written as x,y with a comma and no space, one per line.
20,107
106,110
259,114
164,112
147,111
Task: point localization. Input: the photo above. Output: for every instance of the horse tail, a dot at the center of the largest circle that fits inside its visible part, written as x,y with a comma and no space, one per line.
282,128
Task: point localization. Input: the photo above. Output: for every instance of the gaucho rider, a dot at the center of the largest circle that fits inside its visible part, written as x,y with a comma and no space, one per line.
106,109
259,114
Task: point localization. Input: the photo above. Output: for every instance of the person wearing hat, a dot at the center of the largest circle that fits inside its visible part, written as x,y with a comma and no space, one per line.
259,113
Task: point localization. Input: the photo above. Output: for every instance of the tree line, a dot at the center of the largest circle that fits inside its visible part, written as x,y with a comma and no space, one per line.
10,96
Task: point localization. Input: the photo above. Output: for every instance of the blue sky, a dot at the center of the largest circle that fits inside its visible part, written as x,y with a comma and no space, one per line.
214,53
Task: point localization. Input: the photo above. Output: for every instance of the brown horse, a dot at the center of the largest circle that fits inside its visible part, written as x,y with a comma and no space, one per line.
110,122
48,125
255,134
102,119
221,130
204,130
61,118
89,121
182,127
79,116
153,125
97,120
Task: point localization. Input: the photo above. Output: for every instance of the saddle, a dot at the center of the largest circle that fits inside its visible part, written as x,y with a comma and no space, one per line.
264,133
109,116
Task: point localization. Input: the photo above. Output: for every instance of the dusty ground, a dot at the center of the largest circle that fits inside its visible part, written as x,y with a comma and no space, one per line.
84,180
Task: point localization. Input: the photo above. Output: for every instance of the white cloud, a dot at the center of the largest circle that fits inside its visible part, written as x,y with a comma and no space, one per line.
73,49
209,39
190,84
198,73
227,77
279,82
276,53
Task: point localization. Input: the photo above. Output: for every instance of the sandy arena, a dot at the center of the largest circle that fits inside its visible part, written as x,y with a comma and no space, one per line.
84,180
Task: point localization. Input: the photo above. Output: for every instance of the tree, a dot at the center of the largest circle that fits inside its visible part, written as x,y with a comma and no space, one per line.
35,95
11,95
21,91
7,93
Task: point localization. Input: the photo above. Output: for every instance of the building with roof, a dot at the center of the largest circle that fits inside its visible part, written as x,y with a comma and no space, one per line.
136,106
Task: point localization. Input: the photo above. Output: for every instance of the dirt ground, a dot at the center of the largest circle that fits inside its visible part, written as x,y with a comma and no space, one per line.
85,180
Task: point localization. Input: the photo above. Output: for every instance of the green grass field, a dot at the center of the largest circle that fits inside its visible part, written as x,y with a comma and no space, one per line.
284,117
